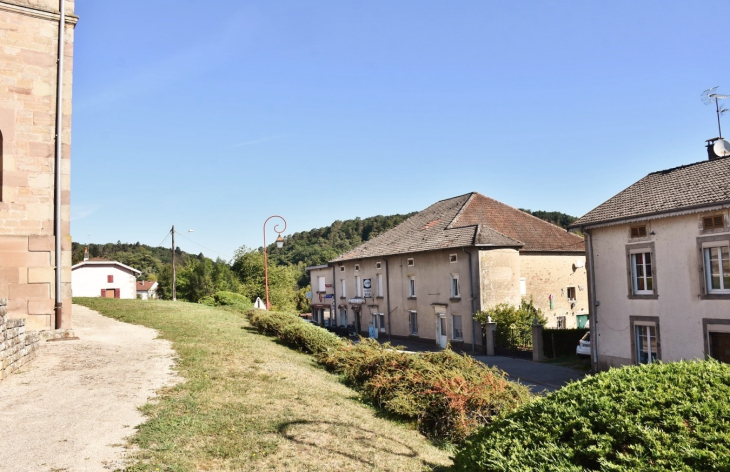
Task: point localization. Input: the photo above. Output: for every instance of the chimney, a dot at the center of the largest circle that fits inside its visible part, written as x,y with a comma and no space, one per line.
711,148
86,253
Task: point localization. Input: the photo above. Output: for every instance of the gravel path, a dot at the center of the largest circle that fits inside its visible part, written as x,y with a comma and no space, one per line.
74,405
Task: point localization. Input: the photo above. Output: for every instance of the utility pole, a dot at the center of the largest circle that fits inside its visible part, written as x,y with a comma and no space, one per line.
174,294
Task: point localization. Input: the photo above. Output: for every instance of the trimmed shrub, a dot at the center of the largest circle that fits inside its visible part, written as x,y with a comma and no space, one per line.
655,417
448,394
294,331
231,299
565,341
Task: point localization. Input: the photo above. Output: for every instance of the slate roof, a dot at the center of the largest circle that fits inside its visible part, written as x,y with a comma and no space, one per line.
695,185
468,220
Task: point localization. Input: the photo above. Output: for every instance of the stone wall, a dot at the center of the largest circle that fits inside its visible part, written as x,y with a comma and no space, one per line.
29,40
17,347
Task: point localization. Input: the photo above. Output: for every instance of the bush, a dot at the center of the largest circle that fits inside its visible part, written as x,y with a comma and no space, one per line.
448,394
231,299
566,340
654,417
294,331
514,323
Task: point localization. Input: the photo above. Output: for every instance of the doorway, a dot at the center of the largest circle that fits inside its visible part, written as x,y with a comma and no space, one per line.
720,346
441,333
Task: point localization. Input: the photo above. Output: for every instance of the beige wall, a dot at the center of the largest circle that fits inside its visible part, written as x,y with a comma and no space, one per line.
27,115
679,305
499,271
548,274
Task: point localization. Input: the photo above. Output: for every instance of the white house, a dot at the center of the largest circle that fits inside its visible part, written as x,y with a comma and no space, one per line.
659,271
109,279
147,289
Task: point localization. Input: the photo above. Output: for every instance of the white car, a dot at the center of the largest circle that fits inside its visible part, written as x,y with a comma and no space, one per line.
584,345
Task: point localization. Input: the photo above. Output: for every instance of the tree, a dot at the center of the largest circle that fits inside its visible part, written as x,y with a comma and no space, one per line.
514,323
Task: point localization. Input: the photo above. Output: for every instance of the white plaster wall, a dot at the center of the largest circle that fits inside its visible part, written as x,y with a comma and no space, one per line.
678,269
87,281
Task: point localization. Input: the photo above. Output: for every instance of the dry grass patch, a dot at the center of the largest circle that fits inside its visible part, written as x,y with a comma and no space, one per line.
248,403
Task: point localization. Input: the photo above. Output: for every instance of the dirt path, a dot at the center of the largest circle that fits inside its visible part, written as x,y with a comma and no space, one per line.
74,405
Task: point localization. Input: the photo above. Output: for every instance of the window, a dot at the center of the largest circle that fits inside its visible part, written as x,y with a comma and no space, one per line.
342,268
343,292
646,344
452,258
358,286
377,265
561,322
641,271
455,286
713,222
321,286
110,279
571,294
343,316
410,262
717,266
456,329
380,285
413,322
357,266
523,286
638,231
379,321
412,287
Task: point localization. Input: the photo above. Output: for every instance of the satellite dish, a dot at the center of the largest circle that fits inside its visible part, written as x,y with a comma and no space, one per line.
721,148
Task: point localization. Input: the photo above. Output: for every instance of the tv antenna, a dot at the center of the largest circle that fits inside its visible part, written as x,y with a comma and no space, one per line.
711,96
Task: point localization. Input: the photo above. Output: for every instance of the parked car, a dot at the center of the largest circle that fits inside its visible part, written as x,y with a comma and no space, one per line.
584,345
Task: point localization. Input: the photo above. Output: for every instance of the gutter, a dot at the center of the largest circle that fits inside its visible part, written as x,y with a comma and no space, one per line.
471,294
58,162
592,299
387,294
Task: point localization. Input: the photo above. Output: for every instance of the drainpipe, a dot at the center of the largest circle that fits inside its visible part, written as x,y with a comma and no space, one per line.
334,295
387,294
58,163
592,298
471,295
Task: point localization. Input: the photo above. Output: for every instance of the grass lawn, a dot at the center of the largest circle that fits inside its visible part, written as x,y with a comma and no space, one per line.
249,403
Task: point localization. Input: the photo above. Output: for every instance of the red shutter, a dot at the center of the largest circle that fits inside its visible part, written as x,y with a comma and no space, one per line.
110,279
103,293
116,292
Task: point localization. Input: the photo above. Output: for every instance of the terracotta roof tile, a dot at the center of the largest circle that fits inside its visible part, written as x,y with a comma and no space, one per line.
468,220
693,185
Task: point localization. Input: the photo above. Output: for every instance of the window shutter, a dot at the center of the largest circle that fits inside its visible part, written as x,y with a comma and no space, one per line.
103,293
718,221
116,293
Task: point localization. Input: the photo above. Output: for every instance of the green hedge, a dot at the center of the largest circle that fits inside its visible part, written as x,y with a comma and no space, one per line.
448,395
232,299
643,418
566,340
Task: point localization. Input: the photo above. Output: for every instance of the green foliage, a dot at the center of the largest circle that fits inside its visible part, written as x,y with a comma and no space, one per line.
145,258
230,299
566,340
554,217
513,322
449,395
294,331
654,417
248,265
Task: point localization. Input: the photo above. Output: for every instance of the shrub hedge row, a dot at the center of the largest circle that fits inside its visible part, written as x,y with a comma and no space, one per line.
644,418
448,395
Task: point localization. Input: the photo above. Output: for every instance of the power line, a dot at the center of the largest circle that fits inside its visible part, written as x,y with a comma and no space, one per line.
167,236
209,249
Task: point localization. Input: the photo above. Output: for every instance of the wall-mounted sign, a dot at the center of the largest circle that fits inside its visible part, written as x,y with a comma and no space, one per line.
366,286
356,301
328,285
329,295
309,295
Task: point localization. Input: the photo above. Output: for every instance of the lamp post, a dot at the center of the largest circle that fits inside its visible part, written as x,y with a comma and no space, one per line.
279,244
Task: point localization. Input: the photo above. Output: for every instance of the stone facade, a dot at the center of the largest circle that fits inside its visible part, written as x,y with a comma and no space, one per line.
28,57
17,347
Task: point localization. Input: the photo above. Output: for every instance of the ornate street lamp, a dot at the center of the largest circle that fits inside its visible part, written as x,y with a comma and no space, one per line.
279,244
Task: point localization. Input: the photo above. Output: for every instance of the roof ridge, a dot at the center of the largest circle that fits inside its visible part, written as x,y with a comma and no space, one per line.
502,234
683,166
461,210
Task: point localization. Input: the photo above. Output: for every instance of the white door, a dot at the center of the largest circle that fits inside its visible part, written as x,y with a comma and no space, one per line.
441,331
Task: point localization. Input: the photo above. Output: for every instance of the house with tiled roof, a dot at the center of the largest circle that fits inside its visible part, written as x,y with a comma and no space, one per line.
147,289
425,278
659,267
103,278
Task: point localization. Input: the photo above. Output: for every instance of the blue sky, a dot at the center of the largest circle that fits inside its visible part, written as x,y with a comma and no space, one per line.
213,116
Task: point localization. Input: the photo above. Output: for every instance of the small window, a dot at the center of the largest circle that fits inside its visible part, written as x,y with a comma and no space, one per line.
571,293
646,344
110,279
342,288
342,268
412,287
523,286
561,322
357,266
358,287
455,293
413,322
641,273
638,231
321,285
717,268
380,285
713,222
457,331
381,325
411,263
452,258
377,265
